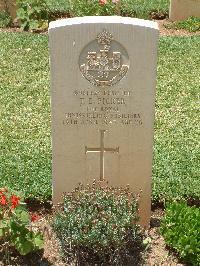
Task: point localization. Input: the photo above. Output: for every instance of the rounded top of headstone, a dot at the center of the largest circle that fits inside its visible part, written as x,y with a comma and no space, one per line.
103,19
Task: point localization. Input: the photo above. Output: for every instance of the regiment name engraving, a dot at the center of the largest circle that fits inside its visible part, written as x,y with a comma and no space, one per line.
101,119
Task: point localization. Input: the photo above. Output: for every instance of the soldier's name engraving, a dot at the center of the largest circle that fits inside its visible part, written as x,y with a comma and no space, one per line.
104,101
102,97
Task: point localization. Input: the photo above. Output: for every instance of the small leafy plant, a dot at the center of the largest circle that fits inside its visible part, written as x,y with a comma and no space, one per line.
128,8
5,19
15,225
98,225
81,8
191,24
33,14
180,228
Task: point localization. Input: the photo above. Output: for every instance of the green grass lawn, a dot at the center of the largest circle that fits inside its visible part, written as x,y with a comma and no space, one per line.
191,24
25,146
143,8
25,142
177,142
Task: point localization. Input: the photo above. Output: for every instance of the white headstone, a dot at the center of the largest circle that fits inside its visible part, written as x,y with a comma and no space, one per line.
103,78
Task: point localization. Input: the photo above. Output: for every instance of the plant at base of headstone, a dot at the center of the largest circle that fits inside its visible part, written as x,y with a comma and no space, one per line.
15,225
180,228
98,225
33,14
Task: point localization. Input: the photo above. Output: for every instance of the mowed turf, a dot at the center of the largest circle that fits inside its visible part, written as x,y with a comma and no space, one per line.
25,144
176,168
25,139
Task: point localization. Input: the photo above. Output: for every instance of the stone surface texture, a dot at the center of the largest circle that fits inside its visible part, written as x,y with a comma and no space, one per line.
9,6
2,5
102,121
183,9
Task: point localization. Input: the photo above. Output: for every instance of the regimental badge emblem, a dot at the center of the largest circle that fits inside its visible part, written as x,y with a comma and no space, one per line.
104,61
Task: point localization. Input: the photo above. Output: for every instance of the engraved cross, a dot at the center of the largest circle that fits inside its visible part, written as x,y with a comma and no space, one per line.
101,150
